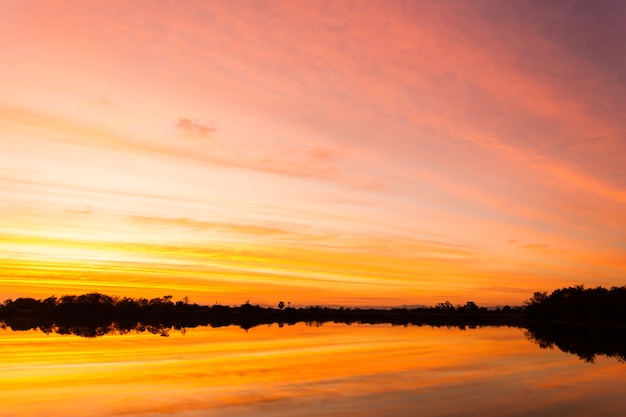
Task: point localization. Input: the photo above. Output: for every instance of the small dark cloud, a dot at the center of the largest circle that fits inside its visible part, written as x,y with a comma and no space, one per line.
194,127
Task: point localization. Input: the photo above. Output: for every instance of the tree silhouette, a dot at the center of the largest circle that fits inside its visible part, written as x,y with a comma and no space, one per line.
281,305
578,305
445,306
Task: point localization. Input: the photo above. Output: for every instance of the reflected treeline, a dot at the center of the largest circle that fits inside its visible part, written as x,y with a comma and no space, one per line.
95,314
585,341
582,321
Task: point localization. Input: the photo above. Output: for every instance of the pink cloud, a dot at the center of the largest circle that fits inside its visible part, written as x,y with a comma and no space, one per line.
194,128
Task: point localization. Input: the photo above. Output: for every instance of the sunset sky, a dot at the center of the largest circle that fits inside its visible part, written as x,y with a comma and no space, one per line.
317,152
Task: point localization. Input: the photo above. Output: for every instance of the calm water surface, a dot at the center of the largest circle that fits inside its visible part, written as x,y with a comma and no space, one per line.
334,370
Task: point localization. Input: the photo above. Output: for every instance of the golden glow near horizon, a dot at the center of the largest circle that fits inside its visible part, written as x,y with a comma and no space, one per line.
357,153
271,371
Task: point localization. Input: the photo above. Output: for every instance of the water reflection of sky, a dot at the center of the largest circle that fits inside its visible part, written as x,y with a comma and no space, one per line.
334,370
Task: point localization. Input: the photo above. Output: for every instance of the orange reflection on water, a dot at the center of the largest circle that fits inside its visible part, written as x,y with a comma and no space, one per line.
337,370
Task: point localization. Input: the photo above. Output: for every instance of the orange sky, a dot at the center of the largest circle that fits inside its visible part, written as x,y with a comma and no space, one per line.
356,153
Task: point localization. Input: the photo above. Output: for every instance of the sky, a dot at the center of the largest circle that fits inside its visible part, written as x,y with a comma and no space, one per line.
316,152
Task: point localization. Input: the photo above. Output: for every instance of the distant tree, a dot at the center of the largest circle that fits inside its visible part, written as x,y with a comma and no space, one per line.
50,301
537,298
281,305
471,306
445,306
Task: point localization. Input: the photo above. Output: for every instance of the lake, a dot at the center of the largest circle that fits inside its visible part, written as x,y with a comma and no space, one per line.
303,370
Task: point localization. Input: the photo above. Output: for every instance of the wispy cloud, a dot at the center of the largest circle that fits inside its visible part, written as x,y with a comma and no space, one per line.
247,230
309,161
194,127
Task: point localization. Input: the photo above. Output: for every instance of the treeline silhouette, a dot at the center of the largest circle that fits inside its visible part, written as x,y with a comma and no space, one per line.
96,314
578,305
582,321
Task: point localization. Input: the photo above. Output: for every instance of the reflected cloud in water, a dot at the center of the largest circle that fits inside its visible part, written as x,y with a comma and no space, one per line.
334,370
